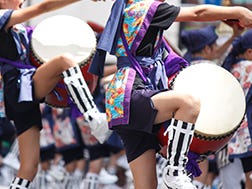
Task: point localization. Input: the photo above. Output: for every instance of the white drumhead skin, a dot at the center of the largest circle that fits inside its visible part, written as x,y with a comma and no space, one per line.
222,98
63,34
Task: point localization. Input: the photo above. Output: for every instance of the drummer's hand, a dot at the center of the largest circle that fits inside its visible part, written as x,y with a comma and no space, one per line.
237,30
246,19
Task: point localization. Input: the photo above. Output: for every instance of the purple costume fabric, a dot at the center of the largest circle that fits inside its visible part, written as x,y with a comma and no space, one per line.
192,164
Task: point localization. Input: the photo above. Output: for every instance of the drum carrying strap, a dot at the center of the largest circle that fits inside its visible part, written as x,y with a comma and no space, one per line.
179,140
81,96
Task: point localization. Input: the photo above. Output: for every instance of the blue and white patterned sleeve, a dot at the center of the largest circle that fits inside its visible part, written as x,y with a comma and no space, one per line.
4,17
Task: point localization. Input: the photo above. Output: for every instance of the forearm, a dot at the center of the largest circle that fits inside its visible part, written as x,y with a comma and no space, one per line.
50,5
25,14
224,47
210,13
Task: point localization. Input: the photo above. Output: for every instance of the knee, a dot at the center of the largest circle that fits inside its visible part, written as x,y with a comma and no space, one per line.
66,60
192,105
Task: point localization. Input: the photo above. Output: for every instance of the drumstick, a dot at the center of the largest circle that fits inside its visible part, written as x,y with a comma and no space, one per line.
232,22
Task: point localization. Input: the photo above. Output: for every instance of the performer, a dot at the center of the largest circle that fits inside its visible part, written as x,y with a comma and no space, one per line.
137,99
68,143
239,62
201,44
25,87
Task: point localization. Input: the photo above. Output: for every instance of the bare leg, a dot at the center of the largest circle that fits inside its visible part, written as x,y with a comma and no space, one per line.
49,74
210,178
79,172
170,103
95,166
29,153
45,166
70,167
45,79
248,183
200,181
80,165
144,170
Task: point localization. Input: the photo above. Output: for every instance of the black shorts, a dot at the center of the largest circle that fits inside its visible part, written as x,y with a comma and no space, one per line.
137,142
142,111
213,168
246,164
102,150
24,114
47,153
139,136
7,129
72,154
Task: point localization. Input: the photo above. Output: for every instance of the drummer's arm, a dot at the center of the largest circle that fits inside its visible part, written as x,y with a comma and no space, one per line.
222,50
213,12
25,14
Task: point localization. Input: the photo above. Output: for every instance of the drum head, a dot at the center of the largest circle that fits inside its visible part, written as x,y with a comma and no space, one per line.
58,35
222,98
63,34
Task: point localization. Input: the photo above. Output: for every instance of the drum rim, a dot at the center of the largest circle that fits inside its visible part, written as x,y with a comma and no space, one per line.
40,61
211,137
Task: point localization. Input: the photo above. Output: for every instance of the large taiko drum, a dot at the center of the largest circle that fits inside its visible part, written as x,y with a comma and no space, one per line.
63,34
222,106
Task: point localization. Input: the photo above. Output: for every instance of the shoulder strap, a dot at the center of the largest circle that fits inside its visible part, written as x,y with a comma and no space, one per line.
16,64
132,59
